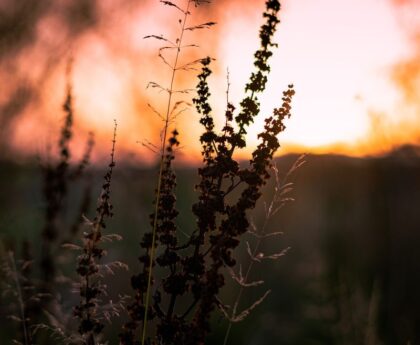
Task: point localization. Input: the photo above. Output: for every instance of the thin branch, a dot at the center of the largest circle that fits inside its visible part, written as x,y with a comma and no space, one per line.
161,168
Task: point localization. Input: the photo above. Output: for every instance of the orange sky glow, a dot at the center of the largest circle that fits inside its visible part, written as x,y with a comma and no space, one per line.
355,65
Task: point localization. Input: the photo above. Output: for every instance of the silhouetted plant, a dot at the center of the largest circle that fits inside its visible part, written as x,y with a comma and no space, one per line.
56,177
16,284
55,191
91,286
93,309
191,270
166,236
196,266
279,199
142,300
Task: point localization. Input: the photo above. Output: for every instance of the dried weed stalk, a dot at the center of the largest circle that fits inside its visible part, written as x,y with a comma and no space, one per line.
195,267
280,198
17,285
57,176
192,270
140,310
91,286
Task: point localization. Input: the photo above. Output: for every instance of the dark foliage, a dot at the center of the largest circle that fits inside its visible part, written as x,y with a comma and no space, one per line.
191,269
91,286
166,236
55,191
57,177
195,267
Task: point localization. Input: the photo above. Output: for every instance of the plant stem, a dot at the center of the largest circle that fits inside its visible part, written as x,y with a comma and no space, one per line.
241,290
20,298
159,183
251,264
269,214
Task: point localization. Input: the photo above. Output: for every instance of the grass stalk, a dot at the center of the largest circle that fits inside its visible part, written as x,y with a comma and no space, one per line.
161,166
278,200
242,288
20,299
90,326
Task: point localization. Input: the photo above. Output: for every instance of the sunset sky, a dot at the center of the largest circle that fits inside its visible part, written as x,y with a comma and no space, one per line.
355,65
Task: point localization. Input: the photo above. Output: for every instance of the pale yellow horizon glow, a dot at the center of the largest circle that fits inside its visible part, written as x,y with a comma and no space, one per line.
338,55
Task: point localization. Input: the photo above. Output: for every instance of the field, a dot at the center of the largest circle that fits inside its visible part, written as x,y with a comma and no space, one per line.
350,275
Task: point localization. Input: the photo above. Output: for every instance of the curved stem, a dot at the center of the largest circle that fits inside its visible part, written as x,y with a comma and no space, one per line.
268,216
241,290
159,183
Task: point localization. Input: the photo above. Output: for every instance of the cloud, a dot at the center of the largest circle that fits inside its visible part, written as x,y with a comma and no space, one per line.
386,134
113,64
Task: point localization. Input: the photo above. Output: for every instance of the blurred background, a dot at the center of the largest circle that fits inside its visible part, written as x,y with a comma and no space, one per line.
354,63
351,275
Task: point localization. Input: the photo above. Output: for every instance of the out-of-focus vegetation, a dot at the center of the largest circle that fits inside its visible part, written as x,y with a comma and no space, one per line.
350,277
